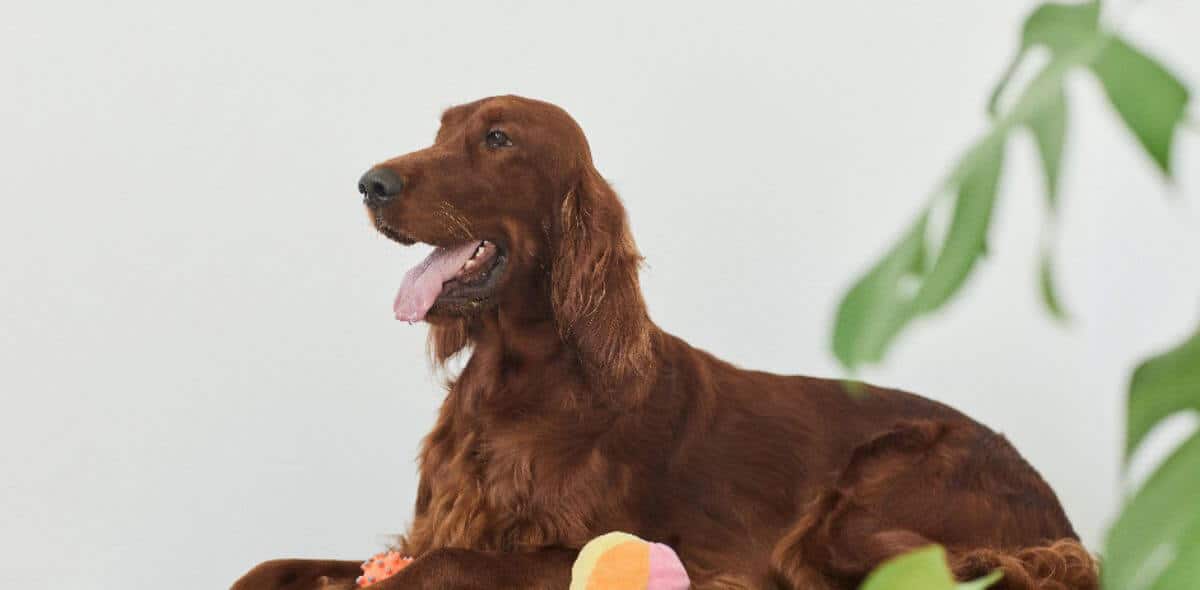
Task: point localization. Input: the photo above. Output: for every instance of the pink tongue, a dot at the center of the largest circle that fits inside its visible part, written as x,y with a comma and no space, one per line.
423,282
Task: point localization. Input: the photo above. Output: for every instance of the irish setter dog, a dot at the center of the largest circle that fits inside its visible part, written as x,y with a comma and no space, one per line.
575,415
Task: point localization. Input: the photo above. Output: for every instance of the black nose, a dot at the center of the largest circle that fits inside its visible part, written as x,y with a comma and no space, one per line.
379,185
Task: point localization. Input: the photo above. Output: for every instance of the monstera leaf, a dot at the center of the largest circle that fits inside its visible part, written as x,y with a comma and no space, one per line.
1151,102
1155,543
923,569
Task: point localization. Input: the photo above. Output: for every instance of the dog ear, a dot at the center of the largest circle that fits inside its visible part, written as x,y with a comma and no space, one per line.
597,300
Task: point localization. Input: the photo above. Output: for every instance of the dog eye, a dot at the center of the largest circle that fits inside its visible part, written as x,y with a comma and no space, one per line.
497,139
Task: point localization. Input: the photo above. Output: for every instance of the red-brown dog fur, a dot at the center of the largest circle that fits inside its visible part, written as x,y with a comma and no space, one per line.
576,415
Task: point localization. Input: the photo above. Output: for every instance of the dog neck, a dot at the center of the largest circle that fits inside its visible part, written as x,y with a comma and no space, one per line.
521,338
520,357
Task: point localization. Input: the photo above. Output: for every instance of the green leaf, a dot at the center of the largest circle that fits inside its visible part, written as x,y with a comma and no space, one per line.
1059,27
906,283
966,240
878,305
1160,387
923,569
1149,99
1183,572
1049,126
1049,291
1154,541
1073,34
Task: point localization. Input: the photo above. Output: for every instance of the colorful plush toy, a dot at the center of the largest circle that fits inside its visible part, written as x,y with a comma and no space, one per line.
616,561
619,561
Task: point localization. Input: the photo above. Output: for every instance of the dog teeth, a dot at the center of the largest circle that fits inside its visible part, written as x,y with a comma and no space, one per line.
484,248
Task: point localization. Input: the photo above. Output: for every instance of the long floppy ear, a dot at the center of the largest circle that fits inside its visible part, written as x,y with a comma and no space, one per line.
597,300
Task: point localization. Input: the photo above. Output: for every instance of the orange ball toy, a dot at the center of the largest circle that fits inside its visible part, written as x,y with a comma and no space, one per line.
382,566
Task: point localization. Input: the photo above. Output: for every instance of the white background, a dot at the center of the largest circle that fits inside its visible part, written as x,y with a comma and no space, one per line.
199,366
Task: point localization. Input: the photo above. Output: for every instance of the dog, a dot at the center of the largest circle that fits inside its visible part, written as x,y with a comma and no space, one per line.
575,415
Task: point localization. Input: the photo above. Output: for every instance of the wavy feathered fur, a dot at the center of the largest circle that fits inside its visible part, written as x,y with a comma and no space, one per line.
575,415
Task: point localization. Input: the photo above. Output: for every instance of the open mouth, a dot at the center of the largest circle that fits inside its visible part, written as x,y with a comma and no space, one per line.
458,278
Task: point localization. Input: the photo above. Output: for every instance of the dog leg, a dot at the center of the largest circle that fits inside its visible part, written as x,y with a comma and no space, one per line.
465,569
300,574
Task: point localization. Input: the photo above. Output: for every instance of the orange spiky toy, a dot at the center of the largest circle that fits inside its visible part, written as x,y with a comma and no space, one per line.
382,566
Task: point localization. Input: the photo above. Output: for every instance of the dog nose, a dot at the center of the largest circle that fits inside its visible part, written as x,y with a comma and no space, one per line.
379,185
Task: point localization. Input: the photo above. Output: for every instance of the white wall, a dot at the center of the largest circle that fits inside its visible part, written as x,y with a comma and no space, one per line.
200,369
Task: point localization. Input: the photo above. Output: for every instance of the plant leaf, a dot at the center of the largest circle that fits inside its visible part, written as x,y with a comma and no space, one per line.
878,305
1073,34
1059,27
1049,291
1162,386
1049,127
922,569
1149,99
1183,572
1159,529
966,240
900,287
